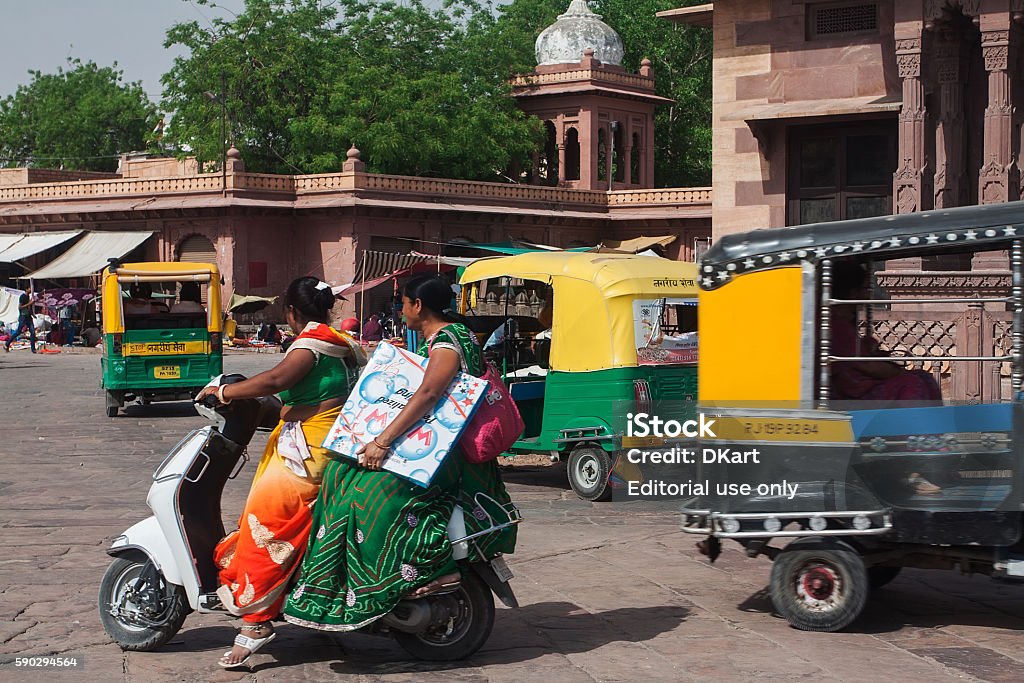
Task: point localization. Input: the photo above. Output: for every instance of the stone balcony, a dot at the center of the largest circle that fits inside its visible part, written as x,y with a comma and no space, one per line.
337,189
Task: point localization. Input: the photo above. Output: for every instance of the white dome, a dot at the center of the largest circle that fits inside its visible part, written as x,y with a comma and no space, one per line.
579,28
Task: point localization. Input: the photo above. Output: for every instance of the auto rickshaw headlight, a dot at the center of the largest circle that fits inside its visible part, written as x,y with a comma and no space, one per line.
861,522
730,525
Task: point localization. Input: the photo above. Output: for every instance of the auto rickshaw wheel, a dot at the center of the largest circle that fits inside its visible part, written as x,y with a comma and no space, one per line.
819,584
588,470
114,401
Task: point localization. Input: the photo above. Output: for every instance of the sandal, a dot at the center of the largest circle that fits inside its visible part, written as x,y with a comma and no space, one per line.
253,645
439,588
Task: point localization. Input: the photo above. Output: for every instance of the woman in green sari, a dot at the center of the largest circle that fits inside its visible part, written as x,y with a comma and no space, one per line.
377,538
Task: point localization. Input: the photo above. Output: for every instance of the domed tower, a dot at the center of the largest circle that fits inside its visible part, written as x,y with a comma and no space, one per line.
598,117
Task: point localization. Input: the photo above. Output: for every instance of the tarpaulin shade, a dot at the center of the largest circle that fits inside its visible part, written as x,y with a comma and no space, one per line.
29,243
90,254
241,303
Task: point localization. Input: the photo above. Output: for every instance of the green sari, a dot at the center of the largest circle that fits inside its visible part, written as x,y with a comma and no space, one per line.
376,537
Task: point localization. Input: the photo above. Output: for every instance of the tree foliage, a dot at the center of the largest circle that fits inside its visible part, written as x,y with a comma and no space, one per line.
419,90
302,80
79,118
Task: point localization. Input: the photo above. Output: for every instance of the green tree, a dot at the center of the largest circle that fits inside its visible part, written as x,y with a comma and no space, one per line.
680,55
79,118
301,80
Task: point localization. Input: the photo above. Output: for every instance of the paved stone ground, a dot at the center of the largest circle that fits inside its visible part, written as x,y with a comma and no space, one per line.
607,594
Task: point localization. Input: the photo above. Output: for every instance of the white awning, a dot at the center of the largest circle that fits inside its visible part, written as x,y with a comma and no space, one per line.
22,245
90,255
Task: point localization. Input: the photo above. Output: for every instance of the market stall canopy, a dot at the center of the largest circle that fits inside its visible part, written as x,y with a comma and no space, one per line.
22,245
90,254
242,303
377,264
415,267
9,304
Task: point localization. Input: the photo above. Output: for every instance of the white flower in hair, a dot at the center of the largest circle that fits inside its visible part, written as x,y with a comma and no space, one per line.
322,285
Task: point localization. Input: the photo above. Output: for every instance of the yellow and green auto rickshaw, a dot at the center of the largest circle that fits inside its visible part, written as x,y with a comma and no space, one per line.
865,416
154,351
622,337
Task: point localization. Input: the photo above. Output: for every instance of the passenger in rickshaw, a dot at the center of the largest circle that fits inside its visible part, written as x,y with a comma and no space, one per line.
141,300
190,300
872,380
868,380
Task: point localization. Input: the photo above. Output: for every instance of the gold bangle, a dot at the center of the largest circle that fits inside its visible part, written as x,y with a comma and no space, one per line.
380,445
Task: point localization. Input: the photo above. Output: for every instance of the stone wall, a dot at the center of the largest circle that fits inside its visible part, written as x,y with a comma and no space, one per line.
768,75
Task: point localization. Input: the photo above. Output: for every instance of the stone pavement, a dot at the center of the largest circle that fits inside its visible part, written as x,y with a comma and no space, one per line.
608,594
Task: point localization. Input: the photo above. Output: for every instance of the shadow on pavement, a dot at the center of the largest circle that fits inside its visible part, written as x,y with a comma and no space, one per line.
519,635
169,409
548,476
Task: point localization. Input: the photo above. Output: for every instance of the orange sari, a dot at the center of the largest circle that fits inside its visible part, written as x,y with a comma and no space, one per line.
258,559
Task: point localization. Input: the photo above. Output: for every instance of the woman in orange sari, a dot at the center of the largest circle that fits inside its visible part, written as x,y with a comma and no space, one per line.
314,379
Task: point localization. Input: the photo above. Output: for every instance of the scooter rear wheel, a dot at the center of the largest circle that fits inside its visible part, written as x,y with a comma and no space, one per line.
138,617
471,610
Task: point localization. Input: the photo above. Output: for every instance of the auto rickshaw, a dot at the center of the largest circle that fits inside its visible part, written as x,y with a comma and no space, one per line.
623,335
864,471
151,353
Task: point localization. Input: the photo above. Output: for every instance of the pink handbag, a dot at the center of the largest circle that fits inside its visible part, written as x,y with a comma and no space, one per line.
496,424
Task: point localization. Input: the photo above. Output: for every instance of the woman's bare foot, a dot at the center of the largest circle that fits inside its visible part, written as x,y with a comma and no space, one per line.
438,585
238,654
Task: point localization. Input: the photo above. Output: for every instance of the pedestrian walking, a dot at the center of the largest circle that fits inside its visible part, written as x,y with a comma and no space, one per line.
24,322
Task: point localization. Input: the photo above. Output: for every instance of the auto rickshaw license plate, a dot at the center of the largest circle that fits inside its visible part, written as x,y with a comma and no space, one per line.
167,372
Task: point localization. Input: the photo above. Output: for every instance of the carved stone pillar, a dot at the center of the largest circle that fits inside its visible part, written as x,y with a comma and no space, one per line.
561,162
998,179
950,179
911,189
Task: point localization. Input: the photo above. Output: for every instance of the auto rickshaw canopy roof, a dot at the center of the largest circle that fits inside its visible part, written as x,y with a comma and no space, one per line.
593,311
158,271
883,237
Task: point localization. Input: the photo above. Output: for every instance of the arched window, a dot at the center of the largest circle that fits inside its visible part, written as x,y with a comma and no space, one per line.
572,154
549,163
618,169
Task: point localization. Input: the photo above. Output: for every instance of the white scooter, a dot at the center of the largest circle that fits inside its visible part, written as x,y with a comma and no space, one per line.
163,566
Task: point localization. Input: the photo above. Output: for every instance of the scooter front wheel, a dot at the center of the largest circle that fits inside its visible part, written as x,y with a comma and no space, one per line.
470,618
139,609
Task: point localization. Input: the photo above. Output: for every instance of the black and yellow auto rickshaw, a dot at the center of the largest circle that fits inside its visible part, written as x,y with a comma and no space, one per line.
863,471
154,351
